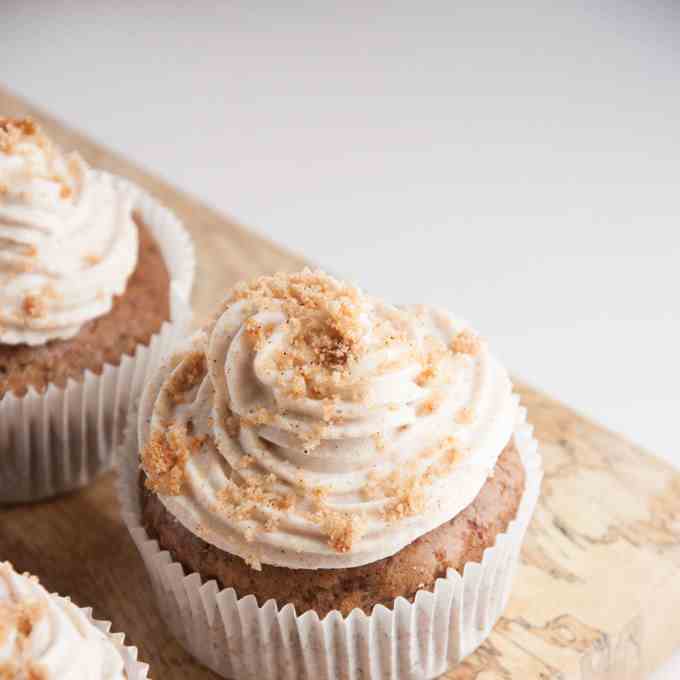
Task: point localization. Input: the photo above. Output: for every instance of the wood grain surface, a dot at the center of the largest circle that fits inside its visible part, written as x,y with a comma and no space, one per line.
597,596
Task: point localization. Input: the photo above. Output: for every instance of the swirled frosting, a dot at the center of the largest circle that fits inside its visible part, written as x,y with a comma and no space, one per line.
68,241
46,637
309,425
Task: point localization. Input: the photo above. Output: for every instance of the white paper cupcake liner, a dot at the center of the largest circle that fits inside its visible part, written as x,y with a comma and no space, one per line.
134,669
62,439
241,640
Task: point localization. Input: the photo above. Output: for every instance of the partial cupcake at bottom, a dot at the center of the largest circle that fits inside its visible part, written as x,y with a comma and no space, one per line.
346,483
44,636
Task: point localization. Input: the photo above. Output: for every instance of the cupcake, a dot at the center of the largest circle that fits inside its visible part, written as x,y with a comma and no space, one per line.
90,269
44,637
346,484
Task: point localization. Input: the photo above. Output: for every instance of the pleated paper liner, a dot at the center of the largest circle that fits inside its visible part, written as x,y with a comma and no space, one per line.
62,439
239,639
134,669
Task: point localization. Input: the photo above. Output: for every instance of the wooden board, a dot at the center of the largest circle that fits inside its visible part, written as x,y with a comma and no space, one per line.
597,596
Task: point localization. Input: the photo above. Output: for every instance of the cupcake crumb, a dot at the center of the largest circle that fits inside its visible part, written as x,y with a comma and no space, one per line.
467,342
188,374
33,306
165,456
465,416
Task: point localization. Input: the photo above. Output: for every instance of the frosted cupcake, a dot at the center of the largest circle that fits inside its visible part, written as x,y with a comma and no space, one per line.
46,637
88,267
353,480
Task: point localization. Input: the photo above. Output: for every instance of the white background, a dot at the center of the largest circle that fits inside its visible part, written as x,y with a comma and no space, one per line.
520,166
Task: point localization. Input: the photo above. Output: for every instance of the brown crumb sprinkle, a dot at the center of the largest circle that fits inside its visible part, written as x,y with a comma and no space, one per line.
323,326
467,342
465,416
240,501
429,406
29,670
188,375
33,306
406,492
13,131
164,459
342,528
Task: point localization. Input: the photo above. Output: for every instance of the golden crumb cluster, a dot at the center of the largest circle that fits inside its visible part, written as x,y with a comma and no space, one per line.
14,131
245,500
467,342
324,331
186,377
342,528
33,306
406,492
241,501
63,170
165,456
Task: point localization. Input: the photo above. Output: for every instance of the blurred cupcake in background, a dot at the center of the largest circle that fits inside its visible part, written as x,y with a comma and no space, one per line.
46,637
346,485
91,268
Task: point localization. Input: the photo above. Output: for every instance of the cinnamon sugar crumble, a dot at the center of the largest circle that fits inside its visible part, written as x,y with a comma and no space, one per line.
34,306
256,418
379,441
404,492
429,406
241,501
343,529
329,406
467,342
433,353
13,131
49,293
323,326
17,132
232,424
187,376
258,334
164,459
270,525
465,416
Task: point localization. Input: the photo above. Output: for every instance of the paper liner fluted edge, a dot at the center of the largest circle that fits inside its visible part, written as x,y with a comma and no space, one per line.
134,668
239,639
64,438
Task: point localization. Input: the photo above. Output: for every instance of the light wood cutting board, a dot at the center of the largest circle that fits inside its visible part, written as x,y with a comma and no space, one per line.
597,596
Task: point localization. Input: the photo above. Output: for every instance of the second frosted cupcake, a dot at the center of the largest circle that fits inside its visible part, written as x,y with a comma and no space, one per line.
89,267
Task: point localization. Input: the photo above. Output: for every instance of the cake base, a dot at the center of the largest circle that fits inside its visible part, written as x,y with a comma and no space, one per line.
415,567
134,318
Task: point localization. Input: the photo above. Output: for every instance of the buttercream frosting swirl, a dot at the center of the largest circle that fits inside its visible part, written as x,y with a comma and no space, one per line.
46,636
309,425
68,240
